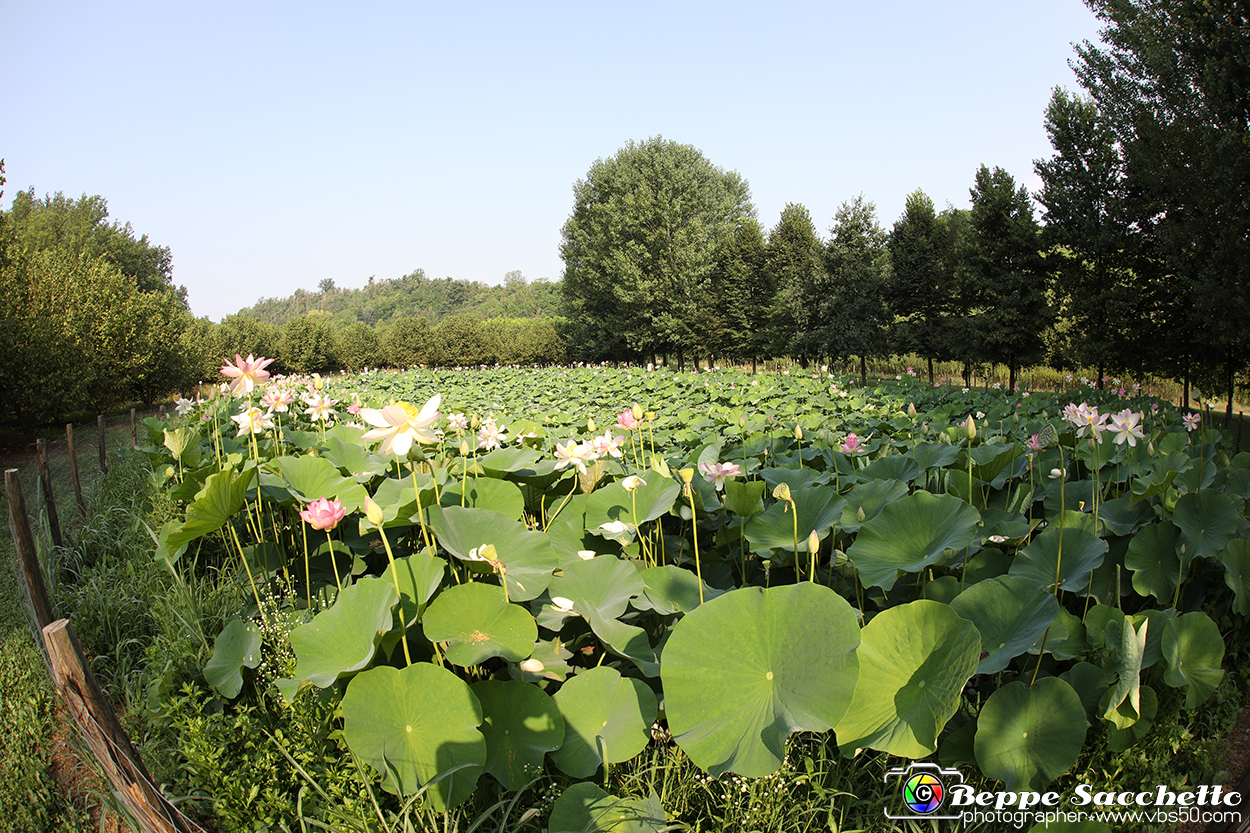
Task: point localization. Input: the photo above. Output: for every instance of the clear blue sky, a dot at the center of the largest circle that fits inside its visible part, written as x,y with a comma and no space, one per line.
272,145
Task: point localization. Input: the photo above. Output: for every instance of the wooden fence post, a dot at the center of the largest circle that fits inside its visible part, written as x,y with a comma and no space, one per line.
99,424
108,741
54,525
134,435
73,470
19,528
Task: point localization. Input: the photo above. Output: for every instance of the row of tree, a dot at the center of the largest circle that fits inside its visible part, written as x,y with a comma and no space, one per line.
379,302
1138,264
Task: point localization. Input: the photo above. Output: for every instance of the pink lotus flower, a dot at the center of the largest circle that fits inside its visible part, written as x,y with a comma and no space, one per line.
606,445
491,436
399,425
573,454
1034,444
246,373
716,473
1125,425
627,421
319,406
277,400
253,421
851,444
323,514
1192,421
458,421
1089,422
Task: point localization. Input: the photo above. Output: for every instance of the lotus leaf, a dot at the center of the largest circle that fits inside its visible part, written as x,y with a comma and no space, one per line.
745,670
913,663
606,718
477,623
414,724
1027,736
528,556
1010,613
1194,651
521,724
585,808
237,646
343,638
910,534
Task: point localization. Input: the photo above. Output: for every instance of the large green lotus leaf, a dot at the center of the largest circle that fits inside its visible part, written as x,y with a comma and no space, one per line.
237,645
1027,736
800,478
503,461
398,499
744,497
529,557
349,454
606,717
935,455
604,583
486,493
342,639
1123,517
1208,521
871,497
521,724
1194,651
911,534
900,468
652,498
477,623
629,641
1236,561
1009,613
1119,739
746,670
419,579
1091,683
669,589
817,507
567,531
1154,557
413,724
312,478
913,663
223,495
585,808
1043,560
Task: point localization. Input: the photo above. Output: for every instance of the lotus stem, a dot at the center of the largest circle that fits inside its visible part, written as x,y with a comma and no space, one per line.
403,626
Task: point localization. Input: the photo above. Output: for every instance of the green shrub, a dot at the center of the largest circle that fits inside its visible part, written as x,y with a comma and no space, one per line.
406,343
458,341
359,347
308,345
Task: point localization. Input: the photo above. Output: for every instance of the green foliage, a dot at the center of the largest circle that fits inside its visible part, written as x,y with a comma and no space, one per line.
308,345
407,343
359,346
640,247
793,261
243,335
459,341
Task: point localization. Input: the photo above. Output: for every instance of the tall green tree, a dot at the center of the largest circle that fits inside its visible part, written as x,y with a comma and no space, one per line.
852,315
1172,80
794,262
920,289
1011,308
309,344
81,226
640,247
742,293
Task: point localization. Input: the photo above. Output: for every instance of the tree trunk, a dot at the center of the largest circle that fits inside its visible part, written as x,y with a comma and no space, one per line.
1102,374
863,371
1228,410
1011,375
1185,388
930,371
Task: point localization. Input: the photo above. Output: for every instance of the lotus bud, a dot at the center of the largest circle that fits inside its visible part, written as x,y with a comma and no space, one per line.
464,448
970,427
1150,447
813,542
911,409
924,428
590,424
636,409
475,422
782,492
860,515
798,432
686,475
532,666
373,512
318,382
1056,474
169,472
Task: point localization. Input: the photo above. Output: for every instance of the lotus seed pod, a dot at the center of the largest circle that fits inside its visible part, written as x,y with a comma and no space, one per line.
839,558
650,415
782,492
487,552
686,474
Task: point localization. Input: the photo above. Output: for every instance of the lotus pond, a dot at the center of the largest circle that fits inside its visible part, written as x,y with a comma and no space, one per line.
496,574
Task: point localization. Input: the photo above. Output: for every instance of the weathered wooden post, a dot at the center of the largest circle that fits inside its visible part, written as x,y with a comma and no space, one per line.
134,435
54,525
73,470
99,424
24,541
103,732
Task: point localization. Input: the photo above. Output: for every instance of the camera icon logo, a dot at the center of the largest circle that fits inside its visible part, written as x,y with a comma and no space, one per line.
923,787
